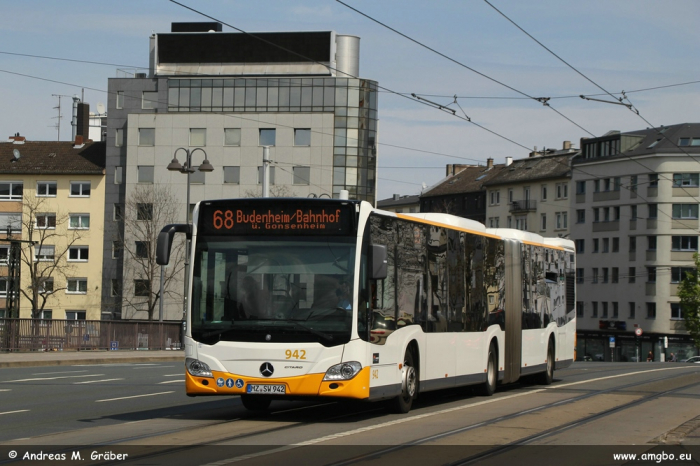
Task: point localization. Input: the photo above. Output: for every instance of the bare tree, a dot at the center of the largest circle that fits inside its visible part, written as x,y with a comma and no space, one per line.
46,257
275,191
148,209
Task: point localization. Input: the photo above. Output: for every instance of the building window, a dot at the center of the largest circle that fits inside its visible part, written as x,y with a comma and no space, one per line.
142,287
562,220
119,137
510,196
302,137
3,287
79,221
543,224
11,190
616,245
521,223
562,190
580,187
653,210
116,287
676,311
272,175
147,137
232,136
116,249
495,197
80,189
579,308
144,211
118,175
197,177
46,221
617,183
653,180
604,314
198,137
678,274
149,99
596,215
596,186
143,249
46,286
579,275
651,243
46,189
651,310
120,99
11,220
302,175
632,274
651,274
684,243
232,175
615,275
633,212
606,244
75,315
4,254
145,174
632,311
633,244
267,136
633,183
544,192
78,253
46,314
44,253
685,179
596,242
580,245
605,275
685,211
581,216
76,286
594,312
615,310
117,212
595,275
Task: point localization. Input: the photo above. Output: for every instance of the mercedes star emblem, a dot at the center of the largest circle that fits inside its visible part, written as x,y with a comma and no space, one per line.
266,369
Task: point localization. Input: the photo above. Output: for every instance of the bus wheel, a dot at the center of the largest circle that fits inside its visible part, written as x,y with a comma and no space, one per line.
255,402
546,378
488,388
409,386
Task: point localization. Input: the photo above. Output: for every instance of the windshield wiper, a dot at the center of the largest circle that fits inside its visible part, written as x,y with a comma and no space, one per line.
297,324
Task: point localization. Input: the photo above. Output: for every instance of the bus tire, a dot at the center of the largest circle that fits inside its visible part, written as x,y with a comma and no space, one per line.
488,388
256,402
409,386
546,377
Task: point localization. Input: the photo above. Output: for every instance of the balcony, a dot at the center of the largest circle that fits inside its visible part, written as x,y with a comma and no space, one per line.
523,206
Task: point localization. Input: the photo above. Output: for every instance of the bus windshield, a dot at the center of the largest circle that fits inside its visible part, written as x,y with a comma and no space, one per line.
273,289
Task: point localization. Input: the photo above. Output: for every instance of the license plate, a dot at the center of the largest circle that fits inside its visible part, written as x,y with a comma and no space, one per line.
266,389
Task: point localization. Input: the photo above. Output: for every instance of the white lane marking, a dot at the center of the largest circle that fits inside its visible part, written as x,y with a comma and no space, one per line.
420,416
171,381
146,364
12,412
135,396
5,389
53,378
172,375
95,381
62,372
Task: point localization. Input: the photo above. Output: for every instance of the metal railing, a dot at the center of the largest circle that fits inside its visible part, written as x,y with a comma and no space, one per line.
523,206
83,335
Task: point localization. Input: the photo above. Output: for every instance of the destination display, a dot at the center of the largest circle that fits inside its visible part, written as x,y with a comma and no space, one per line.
278,219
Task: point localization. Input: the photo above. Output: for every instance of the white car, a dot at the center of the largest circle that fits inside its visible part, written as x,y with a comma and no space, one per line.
695,359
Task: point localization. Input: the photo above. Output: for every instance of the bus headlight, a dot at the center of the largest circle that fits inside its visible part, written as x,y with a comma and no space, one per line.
197,368
343,371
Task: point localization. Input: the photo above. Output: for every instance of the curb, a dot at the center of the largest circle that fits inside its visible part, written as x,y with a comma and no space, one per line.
84,362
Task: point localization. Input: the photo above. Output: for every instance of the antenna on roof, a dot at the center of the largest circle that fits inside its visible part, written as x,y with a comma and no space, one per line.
16,154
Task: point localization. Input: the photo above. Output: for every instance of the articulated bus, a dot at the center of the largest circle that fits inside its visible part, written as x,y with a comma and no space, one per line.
323,298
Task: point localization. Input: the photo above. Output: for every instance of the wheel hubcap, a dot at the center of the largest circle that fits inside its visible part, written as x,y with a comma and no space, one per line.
409,382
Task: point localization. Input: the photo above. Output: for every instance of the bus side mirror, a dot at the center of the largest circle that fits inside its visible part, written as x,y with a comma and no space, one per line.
378,261
165,241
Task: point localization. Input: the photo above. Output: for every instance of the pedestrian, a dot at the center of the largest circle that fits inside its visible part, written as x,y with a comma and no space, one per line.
650,357
672,358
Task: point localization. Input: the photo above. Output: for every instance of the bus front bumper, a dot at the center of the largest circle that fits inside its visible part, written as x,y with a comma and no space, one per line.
311,385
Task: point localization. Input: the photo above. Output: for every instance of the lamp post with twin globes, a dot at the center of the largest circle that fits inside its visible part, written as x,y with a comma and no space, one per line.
175,165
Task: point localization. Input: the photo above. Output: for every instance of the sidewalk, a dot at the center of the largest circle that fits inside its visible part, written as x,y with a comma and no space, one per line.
70,358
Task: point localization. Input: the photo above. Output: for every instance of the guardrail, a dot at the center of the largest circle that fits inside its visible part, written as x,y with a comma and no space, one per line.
82,335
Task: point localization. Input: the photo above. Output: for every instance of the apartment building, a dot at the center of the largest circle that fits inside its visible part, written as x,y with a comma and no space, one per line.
51,217
635,208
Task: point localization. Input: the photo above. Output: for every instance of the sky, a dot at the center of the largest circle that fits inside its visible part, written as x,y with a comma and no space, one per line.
481,65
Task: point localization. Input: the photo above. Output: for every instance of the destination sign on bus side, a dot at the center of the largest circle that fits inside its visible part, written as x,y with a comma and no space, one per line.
288,220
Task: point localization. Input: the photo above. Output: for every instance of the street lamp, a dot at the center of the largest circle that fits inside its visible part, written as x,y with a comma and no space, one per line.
187,168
